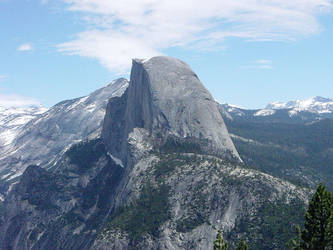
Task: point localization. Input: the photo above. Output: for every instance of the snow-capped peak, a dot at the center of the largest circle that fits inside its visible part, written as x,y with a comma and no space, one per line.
315,104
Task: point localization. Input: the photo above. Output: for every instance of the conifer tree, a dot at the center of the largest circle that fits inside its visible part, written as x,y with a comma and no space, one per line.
317,220
318,226
330,233
219,243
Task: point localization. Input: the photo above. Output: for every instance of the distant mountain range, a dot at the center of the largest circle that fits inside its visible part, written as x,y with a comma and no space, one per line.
291,140
317,105
299,111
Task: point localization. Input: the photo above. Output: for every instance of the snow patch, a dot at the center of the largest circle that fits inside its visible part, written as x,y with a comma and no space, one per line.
77,103
91,107
7,137
234,110
265,112
45,136
13,119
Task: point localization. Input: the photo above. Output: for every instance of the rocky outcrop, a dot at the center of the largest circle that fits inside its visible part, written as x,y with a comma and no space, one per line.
166,98
164,201
179,201
61,208
44,140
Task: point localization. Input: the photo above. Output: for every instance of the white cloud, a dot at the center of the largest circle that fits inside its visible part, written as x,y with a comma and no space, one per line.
24,47
12,100
121,30
114,51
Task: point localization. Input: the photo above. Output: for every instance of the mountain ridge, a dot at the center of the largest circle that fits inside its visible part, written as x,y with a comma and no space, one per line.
44,139
314,104
308,109
159,174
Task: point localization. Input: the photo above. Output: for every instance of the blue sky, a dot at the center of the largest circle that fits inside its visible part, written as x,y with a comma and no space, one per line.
246,52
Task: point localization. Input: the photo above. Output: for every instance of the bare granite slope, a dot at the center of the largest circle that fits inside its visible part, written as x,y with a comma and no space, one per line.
43,140
166,98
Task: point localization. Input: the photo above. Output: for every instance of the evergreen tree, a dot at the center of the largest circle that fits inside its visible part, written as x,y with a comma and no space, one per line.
330,233
317,220
219,243
318,226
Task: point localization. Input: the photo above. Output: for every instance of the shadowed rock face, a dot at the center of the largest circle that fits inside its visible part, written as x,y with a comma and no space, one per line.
61,208
166,98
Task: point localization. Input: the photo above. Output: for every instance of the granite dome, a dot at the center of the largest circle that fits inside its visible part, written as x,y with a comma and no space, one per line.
166,97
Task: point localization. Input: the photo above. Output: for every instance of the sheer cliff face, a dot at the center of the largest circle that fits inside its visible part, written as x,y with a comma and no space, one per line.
166,98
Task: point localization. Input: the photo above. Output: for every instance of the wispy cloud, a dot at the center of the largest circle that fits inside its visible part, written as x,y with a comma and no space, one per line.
12,100
113,50
121,30
263,64
24,47
2,78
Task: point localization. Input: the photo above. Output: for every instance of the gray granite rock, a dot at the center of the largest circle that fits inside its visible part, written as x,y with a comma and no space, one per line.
166,98
43,140
163,162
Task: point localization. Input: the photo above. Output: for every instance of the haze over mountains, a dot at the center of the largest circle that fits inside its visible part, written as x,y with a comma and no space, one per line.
156,152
